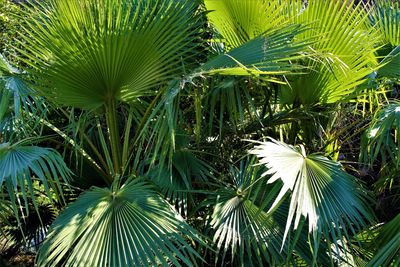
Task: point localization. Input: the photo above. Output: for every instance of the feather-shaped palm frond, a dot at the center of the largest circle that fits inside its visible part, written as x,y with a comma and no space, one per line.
130,226
86,53
332,200
20,164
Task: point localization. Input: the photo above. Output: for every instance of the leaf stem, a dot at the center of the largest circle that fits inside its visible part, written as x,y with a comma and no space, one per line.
113,132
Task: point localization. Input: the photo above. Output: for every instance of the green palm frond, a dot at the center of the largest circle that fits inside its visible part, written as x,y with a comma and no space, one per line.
19,165
268,54
390,64
175,181
86,53
385,16
321,191
388,253
343,55
239,21
15,95
130,226
243,228
382,138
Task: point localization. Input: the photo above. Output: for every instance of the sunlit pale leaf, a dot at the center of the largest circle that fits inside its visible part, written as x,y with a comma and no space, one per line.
320,190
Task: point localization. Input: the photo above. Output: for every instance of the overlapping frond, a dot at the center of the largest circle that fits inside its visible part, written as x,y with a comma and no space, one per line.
239,21
321,191
382,137
385,16
388,252
130,226
85,53
343,55
15,95
268,54
243,228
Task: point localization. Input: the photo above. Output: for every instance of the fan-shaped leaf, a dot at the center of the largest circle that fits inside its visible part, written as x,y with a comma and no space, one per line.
382,137
239,21
241,226
388,253
343,54
268,54
85,53
19,164
131,226
385,16
320,190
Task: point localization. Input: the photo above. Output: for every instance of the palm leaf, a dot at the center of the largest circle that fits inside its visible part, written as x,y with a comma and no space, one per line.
15,97
130,226
388,253
176,181
321,191
385,16
343,56
19,165
243,228
390,64
85,53
239,21
382,137
268,54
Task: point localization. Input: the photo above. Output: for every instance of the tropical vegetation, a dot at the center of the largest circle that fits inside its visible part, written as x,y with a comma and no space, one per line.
200,132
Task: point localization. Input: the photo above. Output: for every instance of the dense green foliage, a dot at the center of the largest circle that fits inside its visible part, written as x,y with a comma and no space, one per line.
200,132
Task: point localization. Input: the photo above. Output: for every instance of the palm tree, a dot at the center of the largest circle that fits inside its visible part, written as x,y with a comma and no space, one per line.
133,118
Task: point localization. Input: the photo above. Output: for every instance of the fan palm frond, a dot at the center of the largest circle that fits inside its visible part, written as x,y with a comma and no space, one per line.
15,95
19,165
239,21
382,137
130,226
321,191
385,16
268,54
388,253
86,53
243,228
343,55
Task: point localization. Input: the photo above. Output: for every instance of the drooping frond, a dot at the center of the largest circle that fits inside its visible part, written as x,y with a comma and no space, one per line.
20,164
15,95
130,226
268,54
320,190
85,53
382,138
